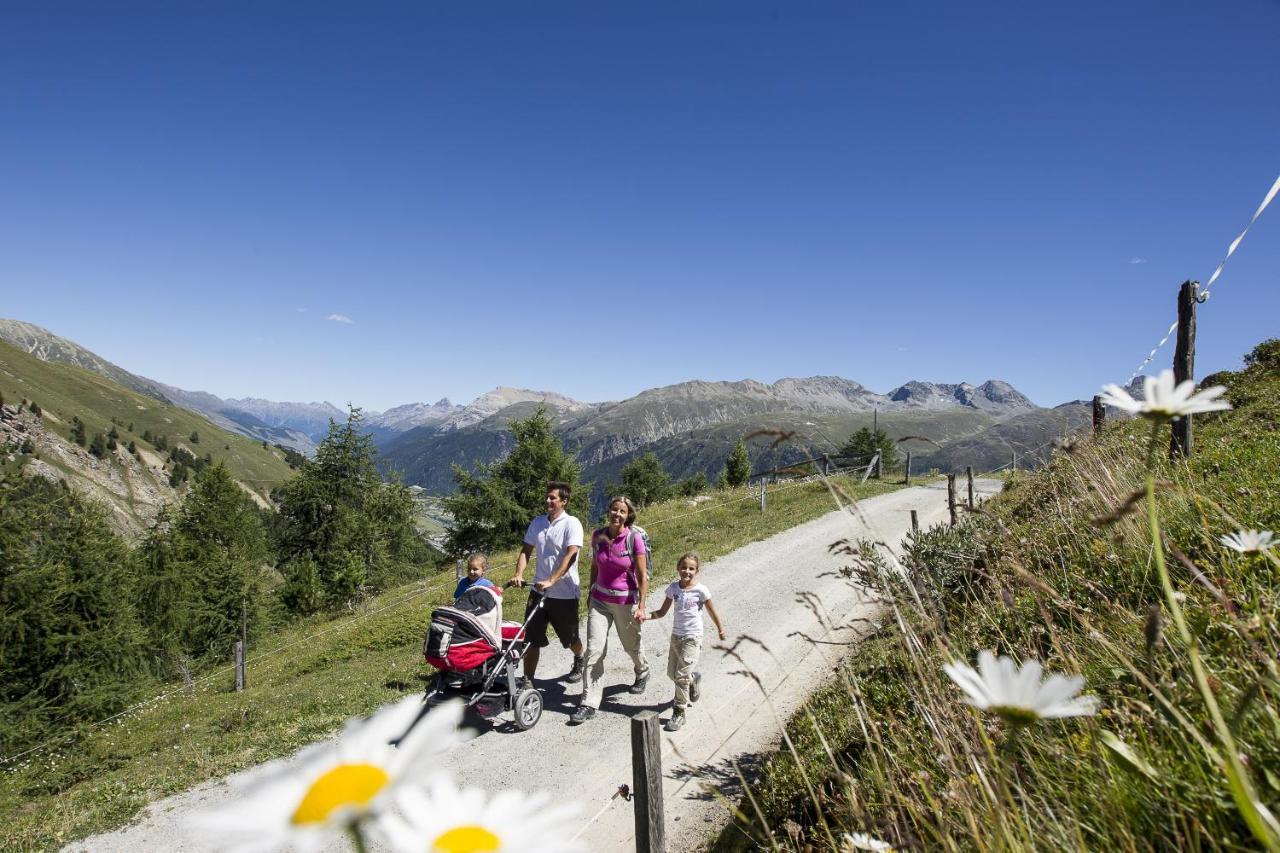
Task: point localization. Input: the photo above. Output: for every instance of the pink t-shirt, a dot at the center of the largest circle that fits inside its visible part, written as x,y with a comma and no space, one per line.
613,567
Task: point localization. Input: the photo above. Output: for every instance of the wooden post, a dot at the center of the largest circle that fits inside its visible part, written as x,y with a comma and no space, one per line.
1184,364
1099,414
951,498
908,480
968,472
879,466
646,782
915,522
239,665
241,679
459,570
764,493
1013,460
870,467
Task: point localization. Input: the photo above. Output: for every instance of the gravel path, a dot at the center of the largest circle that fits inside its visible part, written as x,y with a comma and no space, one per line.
757,590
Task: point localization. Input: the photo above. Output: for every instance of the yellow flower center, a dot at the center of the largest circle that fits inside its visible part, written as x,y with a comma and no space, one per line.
467,839
344,785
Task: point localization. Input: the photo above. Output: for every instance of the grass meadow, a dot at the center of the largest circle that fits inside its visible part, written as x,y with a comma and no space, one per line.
305,681
1084,568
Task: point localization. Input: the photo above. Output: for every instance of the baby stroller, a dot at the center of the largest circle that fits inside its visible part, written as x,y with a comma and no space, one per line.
478,657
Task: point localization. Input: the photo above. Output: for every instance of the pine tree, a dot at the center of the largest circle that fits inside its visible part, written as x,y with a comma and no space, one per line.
737,468
492,508
343,532
195,437
36,410
644,480
865,443
77,431
73,645
98,447
693,485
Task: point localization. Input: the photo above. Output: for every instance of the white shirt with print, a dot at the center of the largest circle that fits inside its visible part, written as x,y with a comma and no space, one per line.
688,606
550,539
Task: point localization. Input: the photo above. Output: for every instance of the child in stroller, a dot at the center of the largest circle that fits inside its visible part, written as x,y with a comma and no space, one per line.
478,657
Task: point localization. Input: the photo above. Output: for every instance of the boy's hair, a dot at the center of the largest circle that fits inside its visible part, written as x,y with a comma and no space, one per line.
560,488
631,508
693,558
477,558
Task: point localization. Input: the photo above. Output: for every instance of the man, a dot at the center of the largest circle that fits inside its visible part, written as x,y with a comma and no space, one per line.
556,538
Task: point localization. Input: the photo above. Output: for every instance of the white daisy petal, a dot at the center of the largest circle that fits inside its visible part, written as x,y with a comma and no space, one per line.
443,818
1016,693
1249,541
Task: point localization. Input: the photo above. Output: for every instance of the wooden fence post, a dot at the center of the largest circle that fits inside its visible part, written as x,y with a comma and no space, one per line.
239,665
1184,364
1013,460
870,467
951,498
764,493
968,472
908,480
1099,414
915,522
646,782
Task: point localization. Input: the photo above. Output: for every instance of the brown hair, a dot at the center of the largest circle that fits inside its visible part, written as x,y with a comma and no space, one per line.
631,508
561,489
476,558
697,564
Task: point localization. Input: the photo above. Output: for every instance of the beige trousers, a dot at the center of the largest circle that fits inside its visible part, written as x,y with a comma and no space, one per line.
682,660
600,618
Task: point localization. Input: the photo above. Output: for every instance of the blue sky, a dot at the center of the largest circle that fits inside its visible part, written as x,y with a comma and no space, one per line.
595,199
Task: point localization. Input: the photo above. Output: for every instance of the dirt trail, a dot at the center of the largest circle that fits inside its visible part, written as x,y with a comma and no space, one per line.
757,591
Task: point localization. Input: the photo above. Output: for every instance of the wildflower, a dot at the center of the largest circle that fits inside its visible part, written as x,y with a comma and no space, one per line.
1162,401
440,818
1250,541
862,841
1016,694
331,788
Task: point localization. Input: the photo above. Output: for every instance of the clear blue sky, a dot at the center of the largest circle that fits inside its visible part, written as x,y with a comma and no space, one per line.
596,199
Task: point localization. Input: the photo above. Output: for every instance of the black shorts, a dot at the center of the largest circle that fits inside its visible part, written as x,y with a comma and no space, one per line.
562,613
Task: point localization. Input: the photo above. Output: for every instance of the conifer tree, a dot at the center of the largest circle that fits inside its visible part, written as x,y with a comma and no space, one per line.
77,431
737,468
644,480
866,442
492,508
72,643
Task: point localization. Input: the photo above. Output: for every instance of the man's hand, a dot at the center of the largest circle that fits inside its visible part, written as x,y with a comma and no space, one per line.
639,613
541,586
518,583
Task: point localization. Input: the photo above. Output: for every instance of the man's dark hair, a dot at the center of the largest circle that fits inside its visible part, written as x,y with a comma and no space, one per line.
560,488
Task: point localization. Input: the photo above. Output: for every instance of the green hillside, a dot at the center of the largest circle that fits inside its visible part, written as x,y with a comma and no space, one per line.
1109,564
64,392
306,679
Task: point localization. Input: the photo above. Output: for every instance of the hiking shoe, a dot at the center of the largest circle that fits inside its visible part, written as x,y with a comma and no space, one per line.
676,721
695,687
581,714
524,682
575,674
641,683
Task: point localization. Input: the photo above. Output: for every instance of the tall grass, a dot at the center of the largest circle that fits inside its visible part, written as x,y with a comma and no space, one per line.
1075,566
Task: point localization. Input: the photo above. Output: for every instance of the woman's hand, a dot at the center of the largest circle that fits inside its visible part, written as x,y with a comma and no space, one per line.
639,613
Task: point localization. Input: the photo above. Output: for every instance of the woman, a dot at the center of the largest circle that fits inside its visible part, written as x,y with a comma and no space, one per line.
619,584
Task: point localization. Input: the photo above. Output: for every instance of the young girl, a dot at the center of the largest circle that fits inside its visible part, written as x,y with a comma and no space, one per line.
686,634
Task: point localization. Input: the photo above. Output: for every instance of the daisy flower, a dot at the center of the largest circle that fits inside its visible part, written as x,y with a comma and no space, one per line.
862,841
440,818
329,788
1162,401
1016,694
1250,541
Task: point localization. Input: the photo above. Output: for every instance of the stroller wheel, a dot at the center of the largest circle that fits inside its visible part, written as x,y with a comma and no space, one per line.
527,708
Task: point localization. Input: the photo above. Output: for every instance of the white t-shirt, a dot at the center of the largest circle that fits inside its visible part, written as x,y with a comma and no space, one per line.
688,606
550,539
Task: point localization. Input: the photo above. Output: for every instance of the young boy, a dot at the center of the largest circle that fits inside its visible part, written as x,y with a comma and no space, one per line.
686,635
477,565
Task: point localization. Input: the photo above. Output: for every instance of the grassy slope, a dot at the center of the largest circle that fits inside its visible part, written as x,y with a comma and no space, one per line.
895,753
64,391
324,673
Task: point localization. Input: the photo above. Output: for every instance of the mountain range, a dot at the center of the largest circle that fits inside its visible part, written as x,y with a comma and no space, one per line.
690,426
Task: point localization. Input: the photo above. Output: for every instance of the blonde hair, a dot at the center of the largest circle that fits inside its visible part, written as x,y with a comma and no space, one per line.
477,558
692,557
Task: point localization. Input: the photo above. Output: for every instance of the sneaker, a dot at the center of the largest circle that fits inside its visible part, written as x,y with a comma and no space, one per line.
676,721
641,683
695,687
524,682
581,714
575,674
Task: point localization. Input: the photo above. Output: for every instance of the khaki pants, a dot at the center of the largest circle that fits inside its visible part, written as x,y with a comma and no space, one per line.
682,659
600,618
